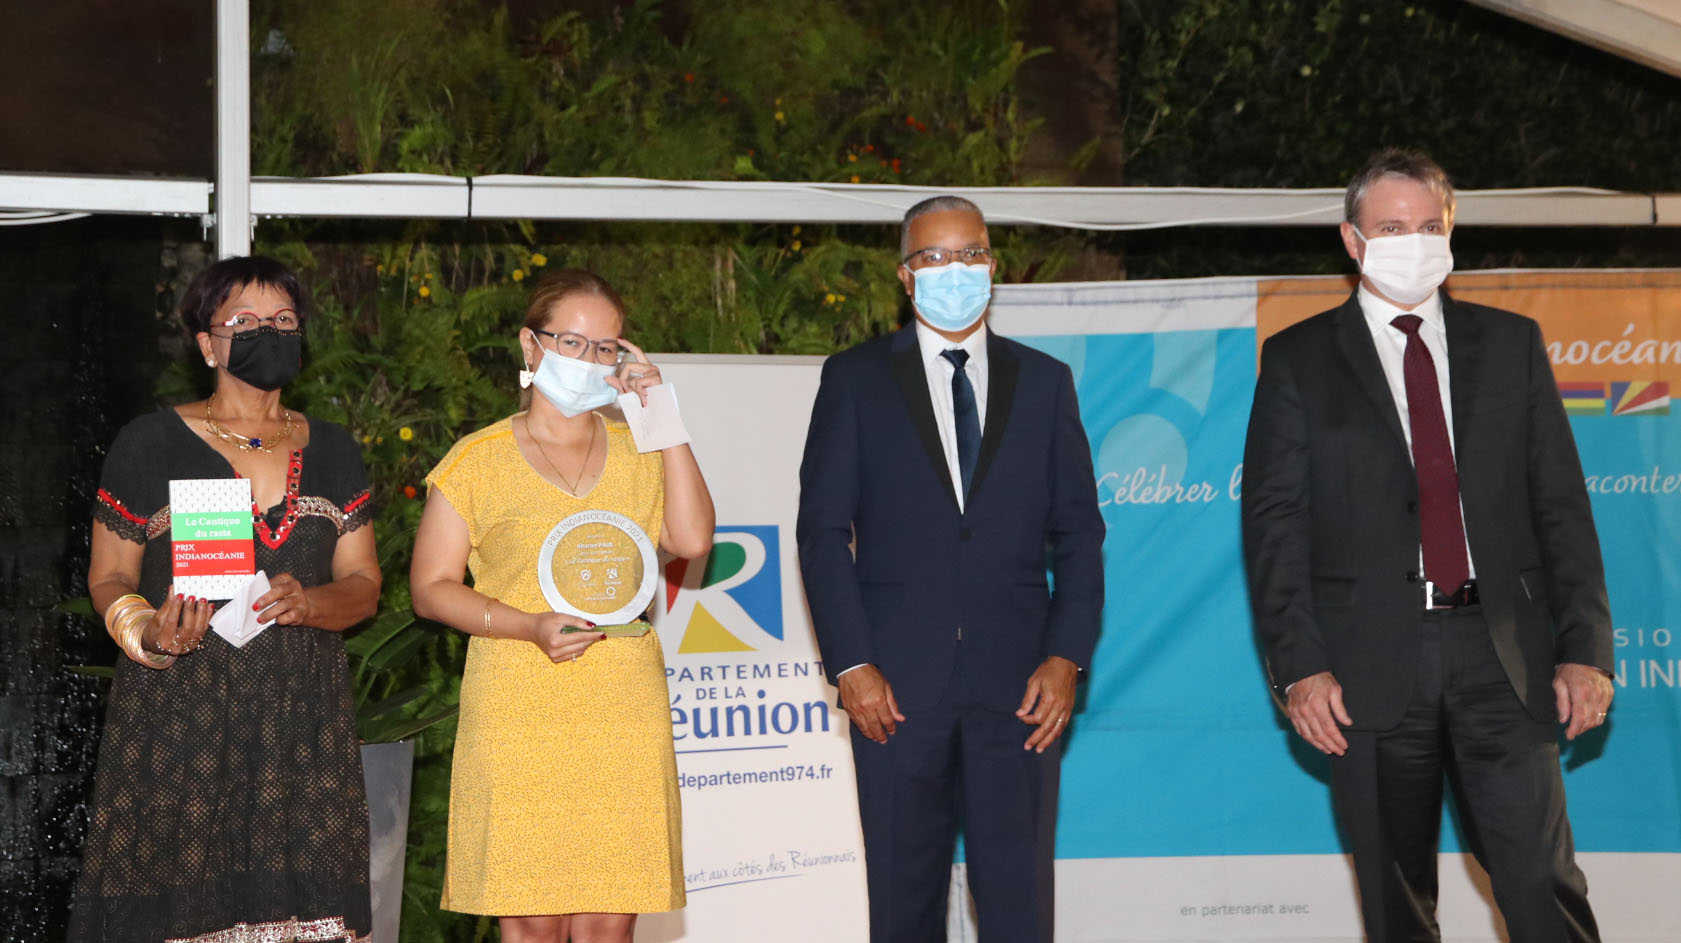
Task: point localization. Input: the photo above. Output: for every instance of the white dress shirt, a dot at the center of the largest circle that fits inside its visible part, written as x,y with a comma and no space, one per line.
939,371
1391,344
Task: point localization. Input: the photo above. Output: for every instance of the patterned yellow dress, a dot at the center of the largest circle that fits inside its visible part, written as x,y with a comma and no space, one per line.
563,796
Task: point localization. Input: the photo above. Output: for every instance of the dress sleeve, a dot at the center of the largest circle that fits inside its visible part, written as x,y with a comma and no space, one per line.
347,481
133,482
454,477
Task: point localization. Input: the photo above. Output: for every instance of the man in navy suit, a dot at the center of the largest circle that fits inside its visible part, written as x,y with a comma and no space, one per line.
944,468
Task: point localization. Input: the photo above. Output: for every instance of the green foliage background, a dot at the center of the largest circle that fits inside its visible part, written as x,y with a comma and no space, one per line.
1298,93
413,339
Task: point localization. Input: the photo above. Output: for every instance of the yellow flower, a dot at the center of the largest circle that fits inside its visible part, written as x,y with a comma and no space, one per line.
366,438
428,276
538,259
854,178
519,274
779,102
852,158
379,269
405,433
380,440
841,299
795,245
779,118
425,292
796,229
829,298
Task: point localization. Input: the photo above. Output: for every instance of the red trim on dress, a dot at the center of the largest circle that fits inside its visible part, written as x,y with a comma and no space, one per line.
273,539
118,506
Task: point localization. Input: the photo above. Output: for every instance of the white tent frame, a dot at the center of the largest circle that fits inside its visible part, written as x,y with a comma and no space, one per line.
241,199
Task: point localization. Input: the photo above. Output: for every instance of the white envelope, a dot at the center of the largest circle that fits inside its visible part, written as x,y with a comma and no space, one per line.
236,621
657,425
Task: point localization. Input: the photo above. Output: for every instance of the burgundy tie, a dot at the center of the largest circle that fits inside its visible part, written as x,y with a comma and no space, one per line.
1443,530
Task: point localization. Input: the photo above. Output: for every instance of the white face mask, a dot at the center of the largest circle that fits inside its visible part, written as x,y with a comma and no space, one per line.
574,386
1406,269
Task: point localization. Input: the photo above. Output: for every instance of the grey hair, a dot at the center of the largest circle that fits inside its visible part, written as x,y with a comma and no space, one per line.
1397,162
934,204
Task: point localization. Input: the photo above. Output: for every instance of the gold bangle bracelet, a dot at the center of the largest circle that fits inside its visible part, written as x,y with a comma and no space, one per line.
128,631
120,607
125,628
487,605
132,627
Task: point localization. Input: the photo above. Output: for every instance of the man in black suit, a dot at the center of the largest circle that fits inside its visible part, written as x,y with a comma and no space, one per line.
954,462
1424,570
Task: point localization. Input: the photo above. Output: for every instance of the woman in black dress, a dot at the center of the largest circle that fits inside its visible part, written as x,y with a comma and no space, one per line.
228,804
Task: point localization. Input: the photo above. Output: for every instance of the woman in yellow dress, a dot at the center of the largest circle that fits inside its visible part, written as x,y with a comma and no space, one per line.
564,818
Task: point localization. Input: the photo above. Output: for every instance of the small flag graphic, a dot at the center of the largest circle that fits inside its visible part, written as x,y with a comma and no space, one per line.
1583,399
1640,398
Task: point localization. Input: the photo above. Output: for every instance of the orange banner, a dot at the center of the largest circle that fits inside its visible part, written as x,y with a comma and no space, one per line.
1614,337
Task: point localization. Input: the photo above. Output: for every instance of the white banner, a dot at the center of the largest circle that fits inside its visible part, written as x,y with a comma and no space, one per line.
771,845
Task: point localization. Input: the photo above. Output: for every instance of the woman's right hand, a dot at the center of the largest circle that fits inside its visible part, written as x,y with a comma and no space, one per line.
178,626
559,644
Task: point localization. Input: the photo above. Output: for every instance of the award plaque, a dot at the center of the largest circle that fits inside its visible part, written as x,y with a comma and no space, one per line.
598,565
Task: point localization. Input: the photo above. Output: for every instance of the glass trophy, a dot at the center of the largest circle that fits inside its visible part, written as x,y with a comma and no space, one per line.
599,566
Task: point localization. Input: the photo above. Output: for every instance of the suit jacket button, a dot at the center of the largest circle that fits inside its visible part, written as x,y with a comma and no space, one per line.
1412,576
965,534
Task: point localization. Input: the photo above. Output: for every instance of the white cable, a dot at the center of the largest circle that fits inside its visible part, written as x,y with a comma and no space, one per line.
31,219
855,196
1170,223
845,192
1065,223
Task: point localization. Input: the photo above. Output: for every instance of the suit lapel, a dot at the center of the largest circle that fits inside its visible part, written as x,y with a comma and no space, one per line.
1355,339
1465,340
1002,371
906,359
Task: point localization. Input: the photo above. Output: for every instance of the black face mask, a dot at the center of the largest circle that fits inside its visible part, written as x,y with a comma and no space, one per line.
266,358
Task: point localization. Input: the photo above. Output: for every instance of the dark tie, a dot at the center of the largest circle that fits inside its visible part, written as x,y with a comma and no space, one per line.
968,419
1441,526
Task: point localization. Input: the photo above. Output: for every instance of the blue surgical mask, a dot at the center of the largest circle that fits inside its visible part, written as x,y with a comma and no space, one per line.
574,386
953,296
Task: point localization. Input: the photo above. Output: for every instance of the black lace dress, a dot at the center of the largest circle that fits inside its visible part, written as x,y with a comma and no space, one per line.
228,804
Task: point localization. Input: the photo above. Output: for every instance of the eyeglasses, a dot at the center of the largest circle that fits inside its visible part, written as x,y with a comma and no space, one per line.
927,258
245,321
575,346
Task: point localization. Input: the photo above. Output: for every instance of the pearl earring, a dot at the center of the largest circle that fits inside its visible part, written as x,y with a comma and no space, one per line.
211,363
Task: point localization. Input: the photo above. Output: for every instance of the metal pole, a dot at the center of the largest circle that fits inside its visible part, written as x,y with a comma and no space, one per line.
233,128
